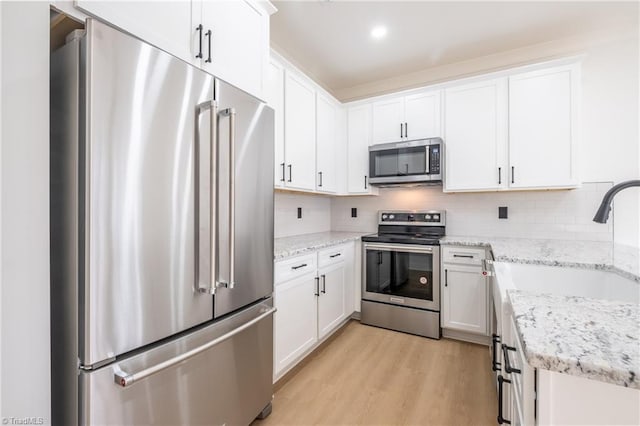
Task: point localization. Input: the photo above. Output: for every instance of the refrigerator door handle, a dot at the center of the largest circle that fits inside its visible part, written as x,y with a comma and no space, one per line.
125,379
212,106
231,113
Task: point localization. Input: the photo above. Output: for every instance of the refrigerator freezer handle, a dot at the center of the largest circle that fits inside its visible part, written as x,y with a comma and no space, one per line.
212,106
124,379
231,113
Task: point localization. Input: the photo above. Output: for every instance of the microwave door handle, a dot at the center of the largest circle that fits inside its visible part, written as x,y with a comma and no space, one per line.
427,160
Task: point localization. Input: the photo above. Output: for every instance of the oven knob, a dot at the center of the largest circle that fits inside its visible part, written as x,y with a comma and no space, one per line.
391,216
436,217
427,216
384,217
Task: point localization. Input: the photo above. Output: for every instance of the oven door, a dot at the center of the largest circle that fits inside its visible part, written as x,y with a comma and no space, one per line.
402,274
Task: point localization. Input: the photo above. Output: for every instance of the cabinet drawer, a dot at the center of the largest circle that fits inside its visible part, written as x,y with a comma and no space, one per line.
293,267
463,255
332,255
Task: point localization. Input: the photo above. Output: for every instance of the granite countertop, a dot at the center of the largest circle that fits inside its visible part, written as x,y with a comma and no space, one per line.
591,338
299,244
573,254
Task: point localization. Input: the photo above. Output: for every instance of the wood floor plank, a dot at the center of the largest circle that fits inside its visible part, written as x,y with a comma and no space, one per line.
373,376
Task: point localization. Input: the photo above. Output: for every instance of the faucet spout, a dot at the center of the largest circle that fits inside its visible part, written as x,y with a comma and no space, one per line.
602,215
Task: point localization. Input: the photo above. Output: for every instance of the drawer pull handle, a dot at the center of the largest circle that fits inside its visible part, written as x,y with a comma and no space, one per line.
501,381
466,256
299,266
335,255
507,362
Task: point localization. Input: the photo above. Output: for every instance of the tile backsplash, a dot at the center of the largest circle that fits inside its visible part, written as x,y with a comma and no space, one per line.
531,214
316,214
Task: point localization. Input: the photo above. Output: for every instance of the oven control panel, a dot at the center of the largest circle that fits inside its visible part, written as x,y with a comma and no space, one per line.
413,217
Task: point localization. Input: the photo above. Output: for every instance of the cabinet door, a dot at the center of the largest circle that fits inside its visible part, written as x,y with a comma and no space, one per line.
422,115
166,25
358,137
331,301
295,321
325,145
239,42
475,136
388,119
299,132
542,132
274,95
465,299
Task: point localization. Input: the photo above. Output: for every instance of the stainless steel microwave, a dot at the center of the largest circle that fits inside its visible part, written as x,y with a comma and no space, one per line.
407,162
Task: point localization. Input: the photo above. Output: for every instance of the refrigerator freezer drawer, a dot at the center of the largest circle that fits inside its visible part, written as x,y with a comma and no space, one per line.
230,382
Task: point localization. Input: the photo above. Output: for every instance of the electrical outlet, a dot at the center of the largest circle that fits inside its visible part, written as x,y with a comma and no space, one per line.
299,212
354,212
502,213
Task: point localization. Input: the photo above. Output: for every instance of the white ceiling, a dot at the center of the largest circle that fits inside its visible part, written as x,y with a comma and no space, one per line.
330,39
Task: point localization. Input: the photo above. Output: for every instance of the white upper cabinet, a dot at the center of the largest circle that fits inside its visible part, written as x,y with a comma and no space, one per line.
166,25
422,115
325,145
299,132
235,42
409,117
514,132
542,128
274,95
227,38
475,130
358,141
388,120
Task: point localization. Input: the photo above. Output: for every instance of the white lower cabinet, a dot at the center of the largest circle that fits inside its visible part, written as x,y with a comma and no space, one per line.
296,319
313,296
465,293
331,302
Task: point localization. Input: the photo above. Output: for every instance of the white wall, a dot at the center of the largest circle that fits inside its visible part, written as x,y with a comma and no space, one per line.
316,214
24,221
610,139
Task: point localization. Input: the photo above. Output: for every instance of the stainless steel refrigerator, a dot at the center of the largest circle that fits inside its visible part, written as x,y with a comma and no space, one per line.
161,239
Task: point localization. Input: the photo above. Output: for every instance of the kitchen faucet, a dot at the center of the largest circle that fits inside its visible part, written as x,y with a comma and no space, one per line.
605,207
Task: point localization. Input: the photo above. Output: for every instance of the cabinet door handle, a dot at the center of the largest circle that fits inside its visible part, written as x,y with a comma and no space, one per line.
283,178
507,362
324,284
401,131
335,255
317,293
208,34
499,175
320,185
365,182
289,172
466,256
299,266
501,381
513,174
495,340
446,278
199,29
406,130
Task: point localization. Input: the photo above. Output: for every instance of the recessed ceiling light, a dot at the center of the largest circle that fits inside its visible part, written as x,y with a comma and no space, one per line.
379,32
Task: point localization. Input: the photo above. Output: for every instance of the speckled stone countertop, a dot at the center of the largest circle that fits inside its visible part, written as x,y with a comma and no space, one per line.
595,339
573,254
299,244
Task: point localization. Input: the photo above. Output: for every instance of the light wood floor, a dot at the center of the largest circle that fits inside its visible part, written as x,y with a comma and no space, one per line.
372,376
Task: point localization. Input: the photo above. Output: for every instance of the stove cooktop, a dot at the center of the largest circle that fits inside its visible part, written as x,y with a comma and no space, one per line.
424,227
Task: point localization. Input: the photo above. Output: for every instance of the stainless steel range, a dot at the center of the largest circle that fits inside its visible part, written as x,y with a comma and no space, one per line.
401,272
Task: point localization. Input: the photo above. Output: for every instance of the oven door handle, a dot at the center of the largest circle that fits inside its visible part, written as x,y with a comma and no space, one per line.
413,248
